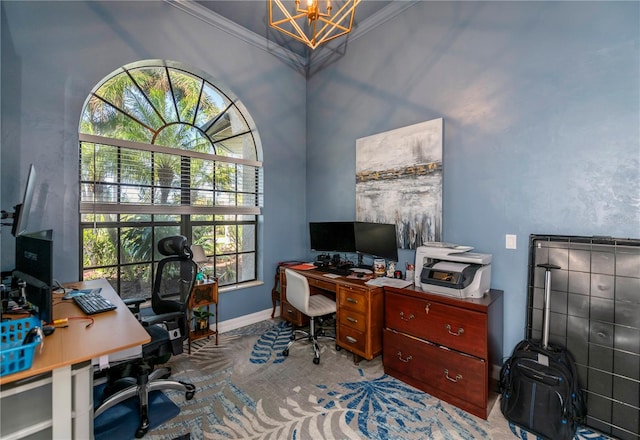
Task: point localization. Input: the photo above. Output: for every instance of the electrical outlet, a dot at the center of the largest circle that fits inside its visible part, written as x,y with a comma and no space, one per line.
510,241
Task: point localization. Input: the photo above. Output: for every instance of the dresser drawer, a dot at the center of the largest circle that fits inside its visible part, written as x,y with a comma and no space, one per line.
353,319
451,372
457,328
352,339
352,298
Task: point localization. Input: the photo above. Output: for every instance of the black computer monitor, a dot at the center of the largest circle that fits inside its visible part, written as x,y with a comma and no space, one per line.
376,240
34,266
332,236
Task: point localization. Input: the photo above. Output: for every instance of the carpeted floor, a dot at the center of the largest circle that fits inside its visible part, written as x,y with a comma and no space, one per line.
247,389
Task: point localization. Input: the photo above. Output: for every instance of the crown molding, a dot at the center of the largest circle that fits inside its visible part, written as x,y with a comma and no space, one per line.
224,24
288,57
387,13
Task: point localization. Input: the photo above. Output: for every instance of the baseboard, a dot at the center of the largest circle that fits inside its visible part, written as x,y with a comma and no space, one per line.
241,321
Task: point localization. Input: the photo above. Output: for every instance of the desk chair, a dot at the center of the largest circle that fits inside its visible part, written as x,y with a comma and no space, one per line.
314,306
168,327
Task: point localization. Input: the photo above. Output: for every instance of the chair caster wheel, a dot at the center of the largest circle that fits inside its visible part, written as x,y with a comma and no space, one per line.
338,348
285,352
292,337
316,361
190,390
140,432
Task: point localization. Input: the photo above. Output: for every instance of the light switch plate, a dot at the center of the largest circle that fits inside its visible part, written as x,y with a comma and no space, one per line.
510,241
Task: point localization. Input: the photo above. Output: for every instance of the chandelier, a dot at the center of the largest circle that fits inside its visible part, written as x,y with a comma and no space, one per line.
321,25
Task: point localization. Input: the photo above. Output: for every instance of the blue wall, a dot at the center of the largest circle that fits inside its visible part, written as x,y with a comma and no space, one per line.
54,53
540,102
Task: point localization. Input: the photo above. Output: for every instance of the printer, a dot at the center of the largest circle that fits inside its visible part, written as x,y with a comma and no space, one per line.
452,270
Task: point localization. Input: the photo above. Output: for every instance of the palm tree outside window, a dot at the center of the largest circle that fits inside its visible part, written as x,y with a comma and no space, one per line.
163,152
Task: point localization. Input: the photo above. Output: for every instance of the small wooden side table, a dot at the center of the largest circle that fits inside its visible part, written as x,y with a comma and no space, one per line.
203,294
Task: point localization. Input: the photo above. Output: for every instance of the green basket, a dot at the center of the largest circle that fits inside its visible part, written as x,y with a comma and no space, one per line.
15,355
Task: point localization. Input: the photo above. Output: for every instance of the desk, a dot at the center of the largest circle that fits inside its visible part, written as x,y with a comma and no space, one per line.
359,311
64,367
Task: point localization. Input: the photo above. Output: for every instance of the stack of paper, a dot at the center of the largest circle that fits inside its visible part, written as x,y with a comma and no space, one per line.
391,282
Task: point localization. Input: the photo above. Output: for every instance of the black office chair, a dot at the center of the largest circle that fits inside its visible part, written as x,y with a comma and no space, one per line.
168,327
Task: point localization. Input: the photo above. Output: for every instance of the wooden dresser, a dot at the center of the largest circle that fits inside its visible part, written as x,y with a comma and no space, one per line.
359,311
448,347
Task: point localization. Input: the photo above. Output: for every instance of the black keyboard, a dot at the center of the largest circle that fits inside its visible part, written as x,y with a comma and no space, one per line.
92,303
336,270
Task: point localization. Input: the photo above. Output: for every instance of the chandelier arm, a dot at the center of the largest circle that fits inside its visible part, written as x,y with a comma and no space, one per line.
286,20
331,25
317,37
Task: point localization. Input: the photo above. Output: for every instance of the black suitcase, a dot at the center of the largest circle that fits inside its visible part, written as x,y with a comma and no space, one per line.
539,385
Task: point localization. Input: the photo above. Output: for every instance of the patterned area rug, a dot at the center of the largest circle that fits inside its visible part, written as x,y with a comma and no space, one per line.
246,389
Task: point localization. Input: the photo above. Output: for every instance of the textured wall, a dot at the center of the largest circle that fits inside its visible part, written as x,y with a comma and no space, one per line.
54,53
540,102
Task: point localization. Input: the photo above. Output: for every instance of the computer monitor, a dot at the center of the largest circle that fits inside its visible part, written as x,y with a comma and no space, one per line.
21,211
34,266
376,240
332,236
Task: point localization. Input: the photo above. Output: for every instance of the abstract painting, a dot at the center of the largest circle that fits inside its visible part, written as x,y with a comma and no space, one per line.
399,180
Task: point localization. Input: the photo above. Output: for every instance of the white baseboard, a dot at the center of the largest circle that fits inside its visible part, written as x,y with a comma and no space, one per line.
241,321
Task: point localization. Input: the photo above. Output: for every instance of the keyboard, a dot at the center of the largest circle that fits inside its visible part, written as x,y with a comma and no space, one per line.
335,270
92,303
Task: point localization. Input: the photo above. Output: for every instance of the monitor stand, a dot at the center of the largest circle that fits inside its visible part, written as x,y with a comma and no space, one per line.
361,265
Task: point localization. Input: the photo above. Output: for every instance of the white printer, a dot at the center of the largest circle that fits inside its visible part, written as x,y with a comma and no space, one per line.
452,270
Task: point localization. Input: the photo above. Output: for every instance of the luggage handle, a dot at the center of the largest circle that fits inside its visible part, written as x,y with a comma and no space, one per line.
547,302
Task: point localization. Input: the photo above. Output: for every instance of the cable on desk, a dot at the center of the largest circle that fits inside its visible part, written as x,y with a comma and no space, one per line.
64,322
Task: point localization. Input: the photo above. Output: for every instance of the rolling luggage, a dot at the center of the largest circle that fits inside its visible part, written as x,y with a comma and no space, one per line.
539,384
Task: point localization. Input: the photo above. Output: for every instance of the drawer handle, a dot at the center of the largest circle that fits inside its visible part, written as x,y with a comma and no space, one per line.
350,319
426,308
352,340
406,319
459,333
407,359
351,300
457,378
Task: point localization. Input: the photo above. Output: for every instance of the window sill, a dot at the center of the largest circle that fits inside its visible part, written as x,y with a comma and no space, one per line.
247,285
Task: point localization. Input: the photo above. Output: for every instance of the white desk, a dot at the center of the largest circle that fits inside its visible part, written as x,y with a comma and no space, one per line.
61,375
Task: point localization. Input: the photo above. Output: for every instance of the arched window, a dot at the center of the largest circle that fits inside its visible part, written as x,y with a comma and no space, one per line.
163,152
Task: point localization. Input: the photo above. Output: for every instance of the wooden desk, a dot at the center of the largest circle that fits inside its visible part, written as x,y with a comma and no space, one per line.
359,311
65,363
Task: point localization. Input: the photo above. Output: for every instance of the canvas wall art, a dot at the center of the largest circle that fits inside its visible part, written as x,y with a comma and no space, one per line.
399,180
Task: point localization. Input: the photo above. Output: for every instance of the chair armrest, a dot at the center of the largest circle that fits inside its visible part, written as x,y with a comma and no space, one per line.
134,304
165,317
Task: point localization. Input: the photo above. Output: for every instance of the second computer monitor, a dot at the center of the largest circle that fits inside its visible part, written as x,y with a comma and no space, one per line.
376,240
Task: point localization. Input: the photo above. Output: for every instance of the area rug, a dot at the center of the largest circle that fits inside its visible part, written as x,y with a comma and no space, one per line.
246,389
